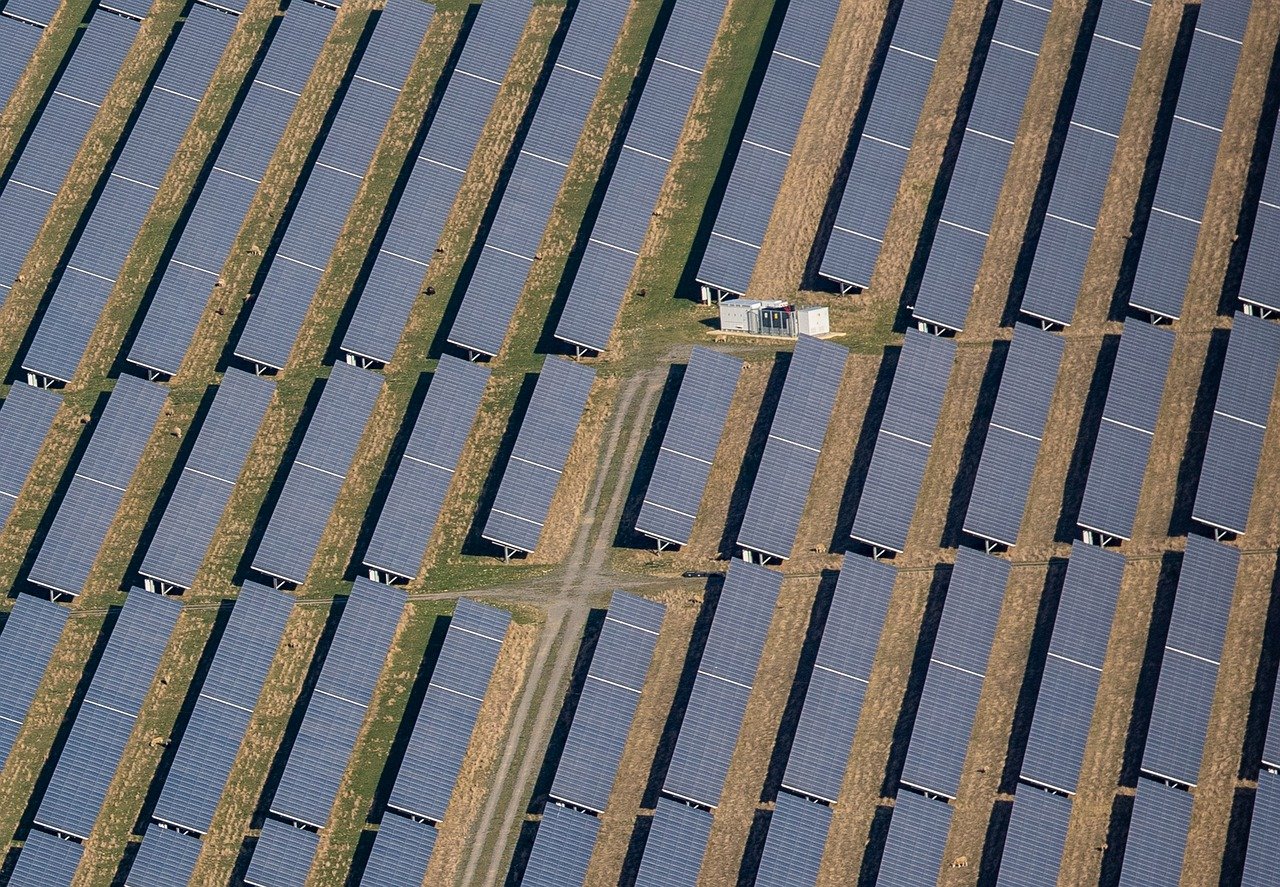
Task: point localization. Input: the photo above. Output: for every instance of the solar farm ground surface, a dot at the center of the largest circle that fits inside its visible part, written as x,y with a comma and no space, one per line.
553,593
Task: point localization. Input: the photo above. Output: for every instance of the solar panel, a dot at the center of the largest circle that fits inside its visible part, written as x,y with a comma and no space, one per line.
220,206
433,758
511,242
53,141
165,858
726,673
904,441
88,759
794,844
542,446
562,848
1128,424
599,284
39,11
204,487
951,270
824,734
401,852
25,418
1157,836
333,435
422,481
689,446
85,514
46,861
1000,488
607,704
20,40
1234,450
282,856
1037,833
790,457
332,183
677,842
419,214
228,696
765,149
30,634
949,701
880,152
917,838
1264,832
1262,264
1164,267
117,215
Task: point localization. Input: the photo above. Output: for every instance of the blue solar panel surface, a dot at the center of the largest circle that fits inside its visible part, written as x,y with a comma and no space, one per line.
1262,264
1264,833
39,11
1234,450
607,704
949,701
726,674
27,641
1036,836
88,759
333,435
443,730
312,232
52,143
283,855
19,39
794,844
511,243
166,858
824,734
951,271
677,842
204,487
562,848
765,150
790,458
915,843
1000,488
689,446
81,293
97,486
1128,424
25,418
904,441
426,470
1157,836
542,446
46,861
401,852
880,153
599,285
432,184
1164,267
223,201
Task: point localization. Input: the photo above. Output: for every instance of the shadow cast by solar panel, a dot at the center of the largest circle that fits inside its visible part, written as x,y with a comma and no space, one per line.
202,177
760,821
1233,854
867,434
555,748
1264,140
874,853
827,221
635,850
993,844
1117,836
1192,457
547,342
1155,160
268,257
1149,677
399,745
975,440
474,543
50,764
1049,169
1086,439
741,493
174,738
89,422
626,535
281,758
272,497
397,192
